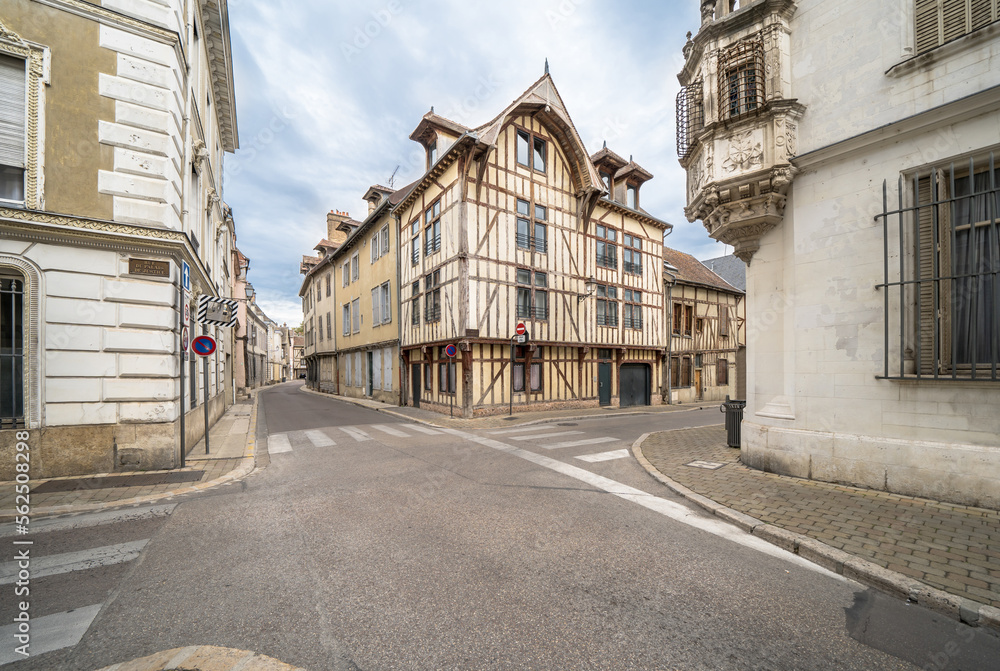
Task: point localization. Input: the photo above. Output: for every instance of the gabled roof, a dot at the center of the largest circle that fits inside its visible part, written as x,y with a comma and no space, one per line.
543,100
690,270
609,157
635,171
431,122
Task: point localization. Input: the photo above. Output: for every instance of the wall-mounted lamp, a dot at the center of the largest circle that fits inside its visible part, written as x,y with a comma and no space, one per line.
589,287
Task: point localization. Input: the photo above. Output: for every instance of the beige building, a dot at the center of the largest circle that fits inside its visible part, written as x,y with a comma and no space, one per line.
113,127
706,320
853,165
515,222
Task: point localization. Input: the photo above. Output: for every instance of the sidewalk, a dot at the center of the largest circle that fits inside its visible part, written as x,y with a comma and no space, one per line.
203,658
232,445
519,418
941,555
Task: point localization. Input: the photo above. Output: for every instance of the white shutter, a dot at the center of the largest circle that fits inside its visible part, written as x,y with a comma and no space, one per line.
387,373
347,370
377,369
357,369
386,304
12,111
376,307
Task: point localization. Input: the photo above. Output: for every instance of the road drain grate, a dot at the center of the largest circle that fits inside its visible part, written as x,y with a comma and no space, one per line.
140,480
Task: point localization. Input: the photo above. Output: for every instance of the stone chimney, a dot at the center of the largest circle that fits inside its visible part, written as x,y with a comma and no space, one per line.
334,219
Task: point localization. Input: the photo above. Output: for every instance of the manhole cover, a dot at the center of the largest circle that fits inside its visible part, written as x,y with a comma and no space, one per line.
510,418
708,465
141,480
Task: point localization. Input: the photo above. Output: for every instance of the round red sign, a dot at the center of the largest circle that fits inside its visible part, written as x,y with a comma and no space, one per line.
203,345
521,329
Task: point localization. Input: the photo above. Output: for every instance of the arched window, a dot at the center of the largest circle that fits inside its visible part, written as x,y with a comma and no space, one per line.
12,350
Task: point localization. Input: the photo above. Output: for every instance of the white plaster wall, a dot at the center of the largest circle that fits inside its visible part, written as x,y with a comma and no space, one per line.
823,262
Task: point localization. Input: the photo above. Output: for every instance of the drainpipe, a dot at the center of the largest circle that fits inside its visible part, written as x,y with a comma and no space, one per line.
399,321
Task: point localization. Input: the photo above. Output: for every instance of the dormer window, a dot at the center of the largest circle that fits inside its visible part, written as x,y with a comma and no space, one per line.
632,196
432,155
606,178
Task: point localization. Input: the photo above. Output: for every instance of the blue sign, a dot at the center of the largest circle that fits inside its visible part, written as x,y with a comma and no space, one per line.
185,276
203,345
451,350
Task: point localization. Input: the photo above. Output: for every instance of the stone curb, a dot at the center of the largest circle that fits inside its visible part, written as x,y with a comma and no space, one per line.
204,658
246,466
835,560
543,420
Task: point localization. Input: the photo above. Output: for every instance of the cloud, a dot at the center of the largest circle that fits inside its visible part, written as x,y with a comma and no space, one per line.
328,93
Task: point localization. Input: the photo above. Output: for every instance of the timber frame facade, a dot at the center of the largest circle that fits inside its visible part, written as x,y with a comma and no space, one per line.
514,222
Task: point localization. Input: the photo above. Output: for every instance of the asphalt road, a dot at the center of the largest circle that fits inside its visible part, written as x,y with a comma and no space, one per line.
367,543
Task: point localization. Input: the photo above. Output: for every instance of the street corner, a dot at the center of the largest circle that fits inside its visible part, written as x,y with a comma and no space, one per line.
204,658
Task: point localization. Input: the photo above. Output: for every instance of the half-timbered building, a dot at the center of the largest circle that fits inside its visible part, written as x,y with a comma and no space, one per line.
706,317
515,223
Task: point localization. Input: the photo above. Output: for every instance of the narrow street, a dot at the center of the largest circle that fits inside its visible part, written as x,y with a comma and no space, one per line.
369,542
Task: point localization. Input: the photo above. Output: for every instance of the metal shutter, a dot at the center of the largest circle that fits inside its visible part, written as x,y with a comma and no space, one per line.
12,111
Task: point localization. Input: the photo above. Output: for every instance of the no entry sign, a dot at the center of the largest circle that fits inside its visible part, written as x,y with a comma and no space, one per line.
521,329
203,345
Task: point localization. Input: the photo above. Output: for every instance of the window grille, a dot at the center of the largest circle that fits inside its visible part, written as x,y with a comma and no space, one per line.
942,274
741,79
11,353
690,116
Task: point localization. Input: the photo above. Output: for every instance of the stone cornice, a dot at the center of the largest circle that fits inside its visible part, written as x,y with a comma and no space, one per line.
109,17
101,234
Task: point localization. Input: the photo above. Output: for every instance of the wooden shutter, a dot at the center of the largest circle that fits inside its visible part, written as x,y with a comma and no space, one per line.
939,21
12,111
982,12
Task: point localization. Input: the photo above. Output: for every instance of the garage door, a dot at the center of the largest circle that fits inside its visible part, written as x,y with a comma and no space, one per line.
635,384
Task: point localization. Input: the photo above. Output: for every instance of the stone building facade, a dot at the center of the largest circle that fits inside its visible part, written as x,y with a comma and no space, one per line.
115,124
848,151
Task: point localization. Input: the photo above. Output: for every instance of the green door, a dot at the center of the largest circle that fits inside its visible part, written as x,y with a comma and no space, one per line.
604,383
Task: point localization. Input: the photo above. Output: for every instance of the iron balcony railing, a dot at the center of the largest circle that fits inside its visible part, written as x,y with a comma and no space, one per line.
532,312
432,313
539,244
632,322
433,244
941,292
631,267
607,319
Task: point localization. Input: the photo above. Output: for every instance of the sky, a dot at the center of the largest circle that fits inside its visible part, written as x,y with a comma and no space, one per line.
328,92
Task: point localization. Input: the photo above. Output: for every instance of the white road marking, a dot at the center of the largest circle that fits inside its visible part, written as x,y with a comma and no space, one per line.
356,434
604,456
577,443
423,429
674,511
278,443
535,436
74,561
48,633
391,431
320,439
91,520
522,429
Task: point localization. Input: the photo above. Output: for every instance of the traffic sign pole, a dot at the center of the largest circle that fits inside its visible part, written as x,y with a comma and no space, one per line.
182,303
206,403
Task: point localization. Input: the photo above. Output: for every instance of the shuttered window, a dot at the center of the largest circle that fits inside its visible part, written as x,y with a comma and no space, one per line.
940,21
12,130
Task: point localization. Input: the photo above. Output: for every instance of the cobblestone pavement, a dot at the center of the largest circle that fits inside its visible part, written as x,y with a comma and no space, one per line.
951,547
232,446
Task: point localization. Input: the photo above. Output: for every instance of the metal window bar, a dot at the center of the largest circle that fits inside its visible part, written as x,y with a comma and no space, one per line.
608,259
690,117
608,319
632,267
433,244
11,353
432,313
741,78
538,243
946,283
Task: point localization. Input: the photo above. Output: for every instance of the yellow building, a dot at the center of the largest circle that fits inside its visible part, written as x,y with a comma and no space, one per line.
351,306
706,318
512,223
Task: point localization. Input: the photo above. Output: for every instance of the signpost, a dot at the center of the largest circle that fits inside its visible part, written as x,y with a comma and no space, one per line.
450,351
520,336
204,346
183,301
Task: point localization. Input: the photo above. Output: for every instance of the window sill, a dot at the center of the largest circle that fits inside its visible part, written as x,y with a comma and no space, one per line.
931,57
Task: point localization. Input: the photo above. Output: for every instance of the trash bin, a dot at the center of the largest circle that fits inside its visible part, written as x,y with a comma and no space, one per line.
734,419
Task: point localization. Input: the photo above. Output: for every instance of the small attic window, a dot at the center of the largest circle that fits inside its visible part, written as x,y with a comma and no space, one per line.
632,196
606,178
432,154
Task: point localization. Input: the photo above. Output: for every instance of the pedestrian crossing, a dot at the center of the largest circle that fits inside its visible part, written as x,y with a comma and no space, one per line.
52,629
546,437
